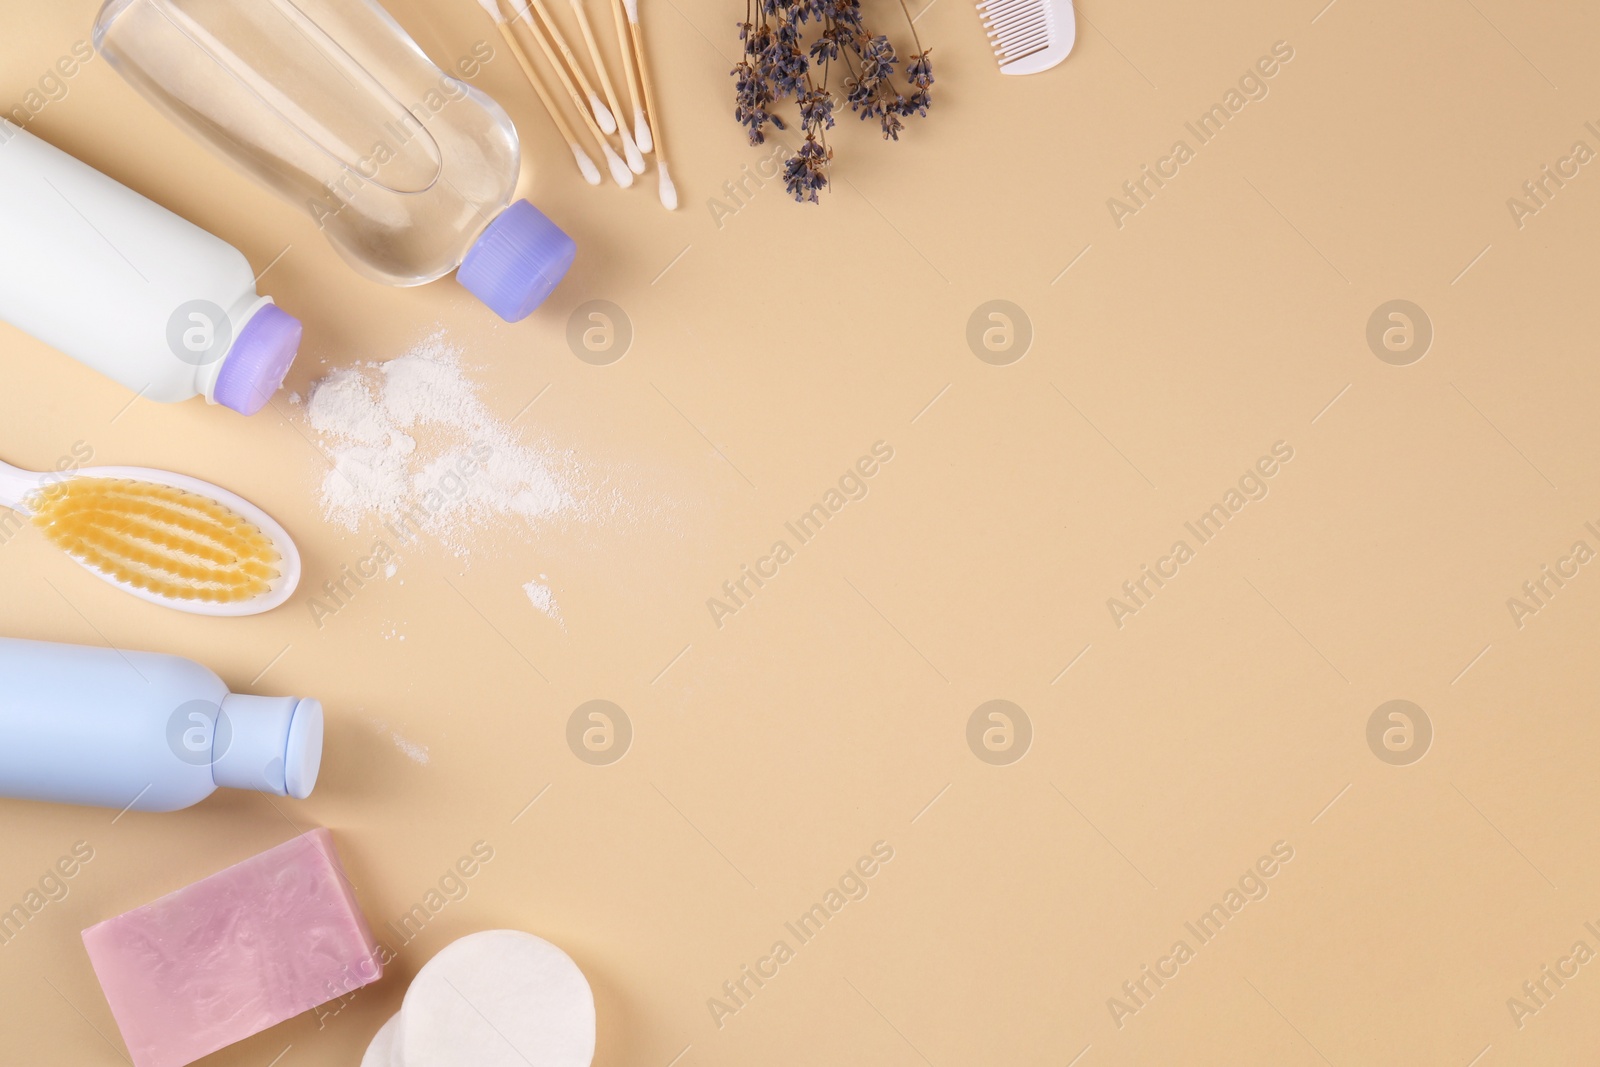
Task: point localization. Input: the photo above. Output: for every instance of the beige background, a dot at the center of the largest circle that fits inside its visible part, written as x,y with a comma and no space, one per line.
768,755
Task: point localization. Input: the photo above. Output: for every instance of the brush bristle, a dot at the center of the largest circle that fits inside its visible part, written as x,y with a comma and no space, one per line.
173,543
493,8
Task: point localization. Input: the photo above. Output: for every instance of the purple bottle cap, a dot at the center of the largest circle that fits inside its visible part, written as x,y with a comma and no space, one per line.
517,261
255,365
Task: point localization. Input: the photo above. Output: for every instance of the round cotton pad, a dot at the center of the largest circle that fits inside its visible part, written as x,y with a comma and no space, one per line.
499,998
385,1048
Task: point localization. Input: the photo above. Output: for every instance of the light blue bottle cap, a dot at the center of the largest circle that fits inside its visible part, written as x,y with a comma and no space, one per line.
258,360
517,261
269,744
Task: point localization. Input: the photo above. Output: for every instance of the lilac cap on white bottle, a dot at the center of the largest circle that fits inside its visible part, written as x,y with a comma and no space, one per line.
258,360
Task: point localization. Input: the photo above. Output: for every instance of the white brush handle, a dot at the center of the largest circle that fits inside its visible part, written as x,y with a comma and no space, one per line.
16,484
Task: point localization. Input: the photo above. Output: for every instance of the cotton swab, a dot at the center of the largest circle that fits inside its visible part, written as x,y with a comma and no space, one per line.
591,173
619,170
630,151
602,114
669,192
641,125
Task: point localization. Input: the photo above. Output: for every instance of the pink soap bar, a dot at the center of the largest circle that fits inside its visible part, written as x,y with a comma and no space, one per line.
234,953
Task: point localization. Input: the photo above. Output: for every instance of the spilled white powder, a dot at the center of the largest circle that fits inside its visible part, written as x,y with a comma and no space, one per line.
415,752
415,447
543,598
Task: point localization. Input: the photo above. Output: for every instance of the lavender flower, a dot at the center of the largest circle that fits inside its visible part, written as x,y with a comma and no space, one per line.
752,96
919,71
805,173
816,111
777,63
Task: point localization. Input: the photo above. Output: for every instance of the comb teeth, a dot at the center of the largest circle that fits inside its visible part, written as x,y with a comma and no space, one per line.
1016,28
1020,29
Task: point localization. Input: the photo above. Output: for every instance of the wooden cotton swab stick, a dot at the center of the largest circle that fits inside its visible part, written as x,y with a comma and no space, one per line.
630,151
602,114
619,170
669,192
591,173
641,125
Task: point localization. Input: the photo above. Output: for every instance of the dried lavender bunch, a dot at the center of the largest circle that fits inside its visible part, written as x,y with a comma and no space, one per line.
778,65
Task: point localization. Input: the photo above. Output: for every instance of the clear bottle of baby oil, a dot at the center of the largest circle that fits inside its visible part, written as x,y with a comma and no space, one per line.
409,171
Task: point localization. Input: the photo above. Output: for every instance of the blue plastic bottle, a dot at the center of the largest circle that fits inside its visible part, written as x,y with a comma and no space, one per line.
142,731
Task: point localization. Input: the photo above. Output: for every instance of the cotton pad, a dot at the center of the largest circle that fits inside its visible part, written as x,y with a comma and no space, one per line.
499,998
233,954
385,1048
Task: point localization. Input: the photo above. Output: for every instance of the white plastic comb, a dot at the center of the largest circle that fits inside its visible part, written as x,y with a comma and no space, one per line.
1029,35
